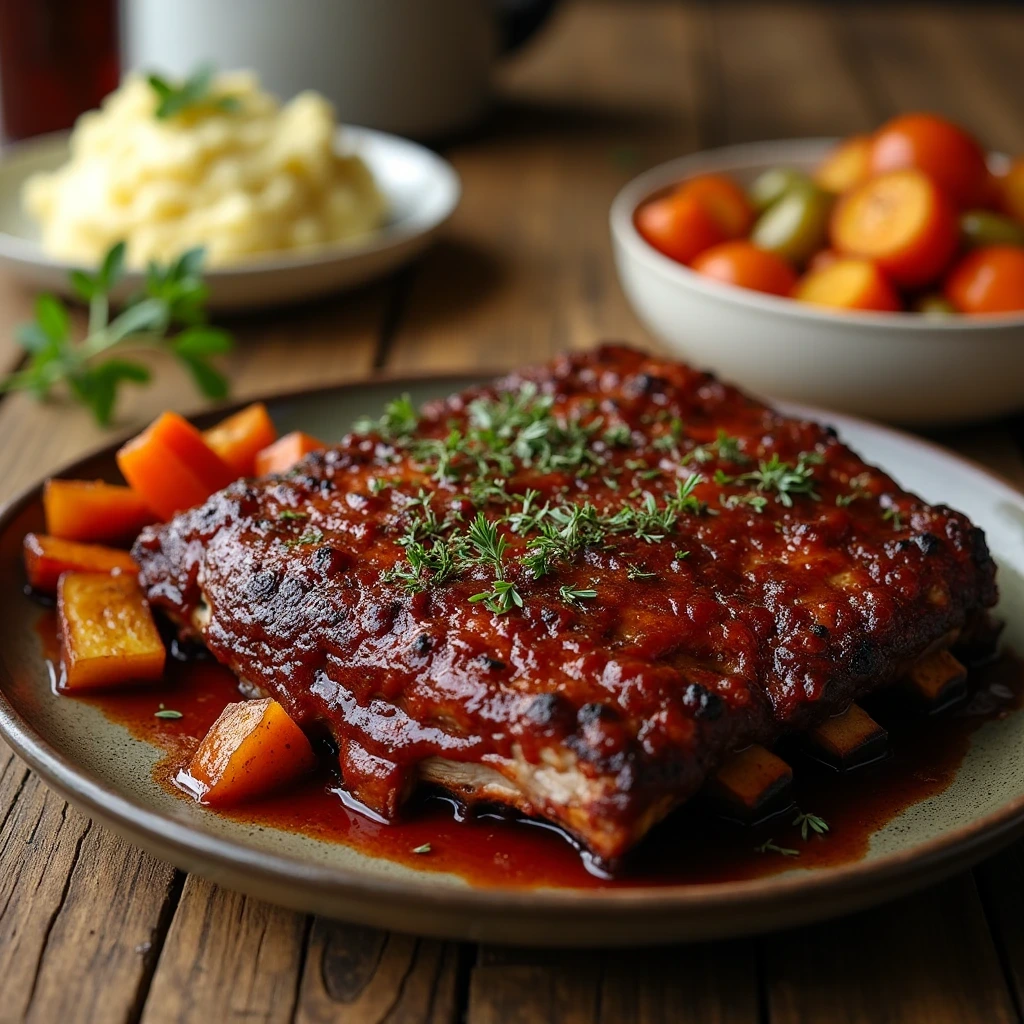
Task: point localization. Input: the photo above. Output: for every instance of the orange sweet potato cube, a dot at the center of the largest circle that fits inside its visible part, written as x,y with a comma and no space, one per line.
284,453
107,634
46,558
252,749
239,438
91,510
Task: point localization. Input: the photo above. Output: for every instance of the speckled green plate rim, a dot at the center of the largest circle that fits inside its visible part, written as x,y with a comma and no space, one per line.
545,916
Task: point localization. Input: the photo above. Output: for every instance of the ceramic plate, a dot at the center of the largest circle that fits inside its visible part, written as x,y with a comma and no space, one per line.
422,192
101,768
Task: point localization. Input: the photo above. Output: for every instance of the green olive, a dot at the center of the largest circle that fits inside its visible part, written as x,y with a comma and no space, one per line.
982,227
934,305
771,185
796,226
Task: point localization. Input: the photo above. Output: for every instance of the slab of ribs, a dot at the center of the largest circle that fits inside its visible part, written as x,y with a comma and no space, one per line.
576,592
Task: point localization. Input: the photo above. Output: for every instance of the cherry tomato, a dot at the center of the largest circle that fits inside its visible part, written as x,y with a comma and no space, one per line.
848,284
724,200
846,166
952,158
989,280
678,226
743,264
903,222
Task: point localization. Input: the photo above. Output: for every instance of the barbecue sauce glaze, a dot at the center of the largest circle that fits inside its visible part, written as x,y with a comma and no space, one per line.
692,846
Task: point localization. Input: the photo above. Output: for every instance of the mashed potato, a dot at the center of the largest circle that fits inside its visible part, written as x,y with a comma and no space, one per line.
259,178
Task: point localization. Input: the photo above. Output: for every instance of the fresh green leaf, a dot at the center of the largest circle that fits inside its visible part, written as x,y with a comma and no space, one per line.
192,94
147,316
200,341
112,268
169,713
212,383
52,318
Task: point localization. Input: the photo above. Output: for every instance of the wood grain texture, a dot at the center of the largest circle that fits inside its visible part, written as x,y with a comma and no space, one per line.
365,976
226,958
926,958
80,910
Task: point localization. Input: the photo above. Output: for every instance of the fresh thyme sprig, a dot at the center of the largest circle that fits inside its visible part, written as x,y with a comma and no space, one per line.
195,93
808,823
783,479
172,296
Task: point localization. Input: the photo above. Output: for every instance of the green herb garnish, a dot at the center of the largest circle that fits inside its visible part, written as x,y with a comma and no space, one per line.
172,296
808,823
167,713
193,94
894,516
572,595
770,846
425,848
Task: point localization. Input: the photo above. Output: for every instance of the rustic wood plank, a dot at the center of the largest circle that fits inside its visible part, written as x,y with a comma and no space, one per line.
226,958
80,910
528,268
15,308
365,976
1001,883
898,54
926,958
783,74
713,982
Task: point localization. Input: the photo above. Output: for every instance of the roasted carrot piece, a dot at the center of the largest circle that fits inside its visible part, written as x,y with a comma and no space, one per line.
239,438
284,453
107,634
252,748
171,467
47,557
91,510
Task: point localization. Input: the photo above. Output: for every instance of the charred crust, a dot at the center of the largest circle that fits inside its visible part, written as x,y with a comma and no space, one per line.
261,585
494,664
705,703
423,644
927,542
820,631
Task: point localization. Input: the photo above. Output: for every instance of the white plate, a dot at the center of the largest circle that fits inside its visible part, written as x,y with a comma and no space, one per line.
422,191
902,367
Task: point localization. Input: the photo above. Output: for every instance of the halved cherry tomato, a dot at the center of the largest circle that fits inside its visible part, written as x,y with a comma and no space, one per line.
171,467
240,437
724,200
848,284
941,149
846,166
902,221
742,263
679,227
796,226
989,280
1011,190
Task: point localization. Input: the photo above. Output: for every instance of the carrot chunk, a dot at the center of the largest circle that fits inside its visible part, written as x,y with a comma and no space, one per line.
171,467
108,637
47,557
239,438
252,748
284,453
91,510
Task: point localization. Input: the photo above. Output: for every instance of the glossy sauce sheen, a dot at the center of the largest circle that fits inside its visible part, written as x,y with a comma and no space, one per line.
691,847
753,614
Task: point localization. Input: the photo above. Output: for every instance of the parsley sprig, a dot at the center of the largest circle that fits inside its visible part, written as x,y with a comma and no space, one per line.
194,94
173,296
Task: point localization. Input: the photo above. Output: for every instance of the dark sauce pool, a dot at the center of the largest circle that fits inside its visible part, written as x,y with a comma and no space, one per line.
692,846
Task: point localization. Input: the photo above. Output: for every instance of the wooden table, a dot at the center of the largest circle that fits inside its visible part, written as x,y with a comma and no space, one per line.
91,929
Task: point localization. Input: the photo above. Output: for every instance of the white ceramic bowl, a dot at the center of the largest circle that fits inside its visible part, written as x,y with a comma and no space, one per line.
903,367
422,191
